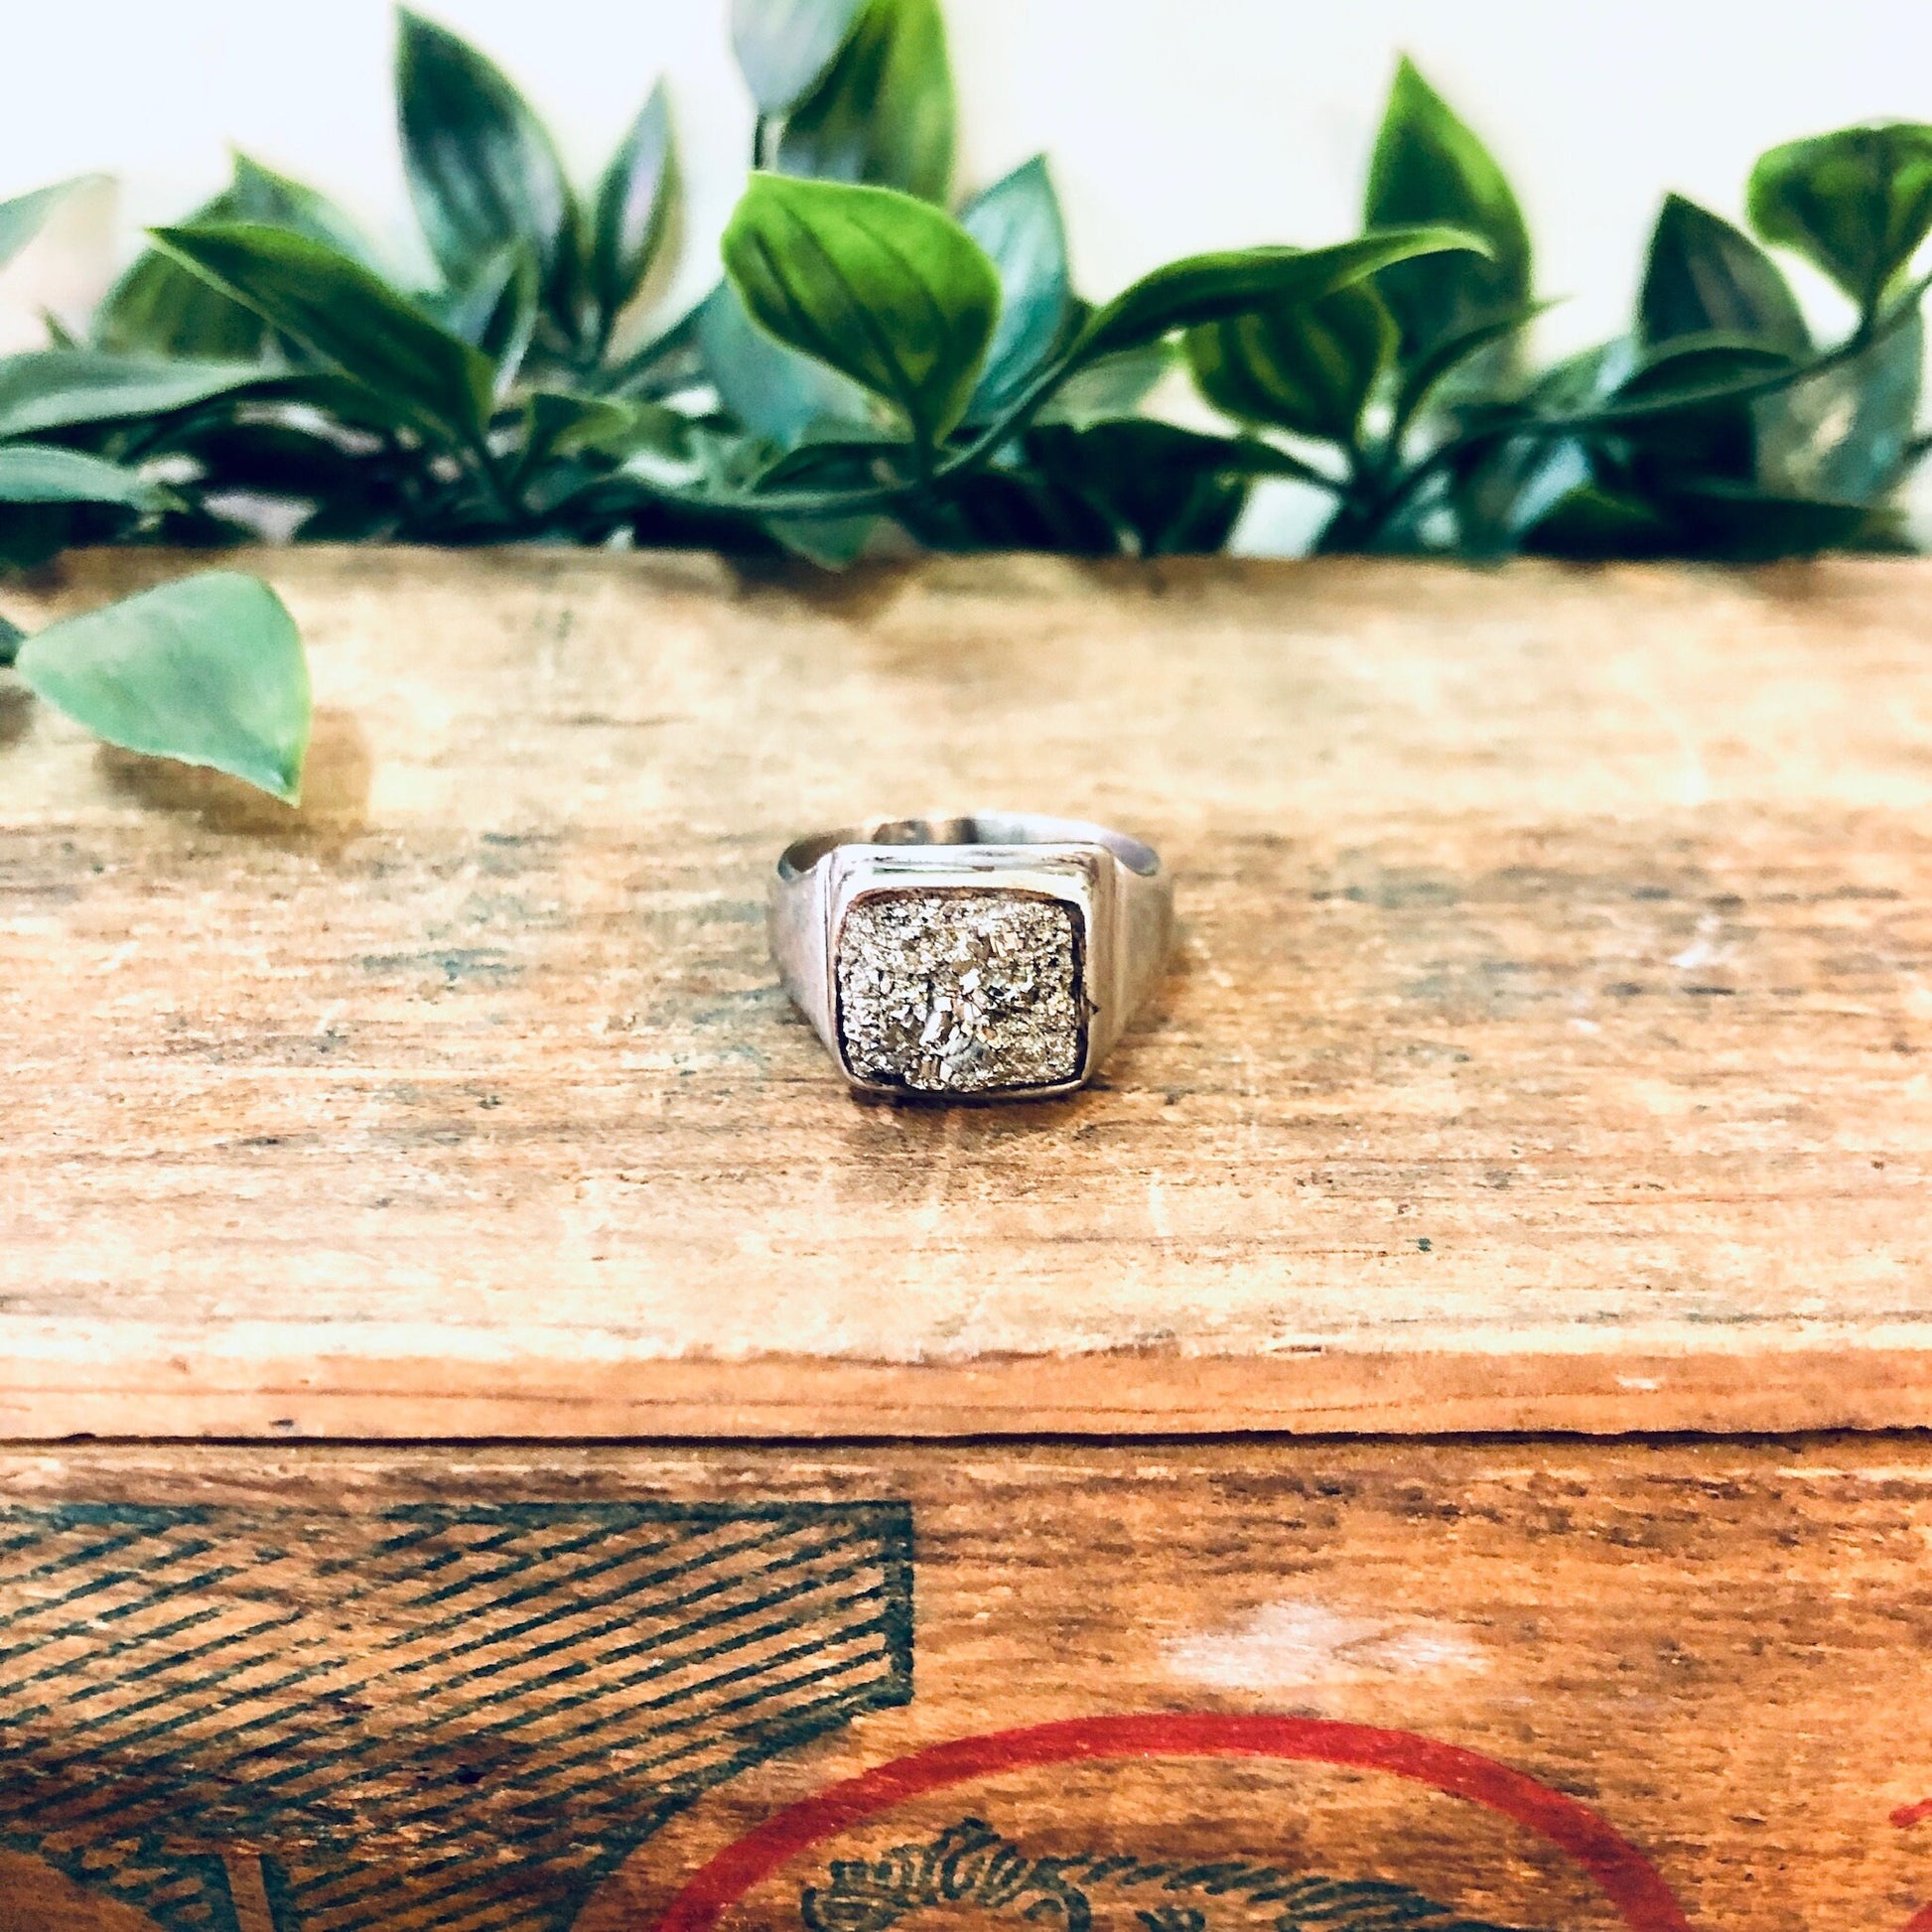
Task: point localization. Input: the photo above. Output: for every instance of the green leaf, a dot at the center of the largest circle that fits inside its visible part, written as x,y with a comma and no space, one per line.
633,203
1742,521
1430,167
159,308
58,388
1211,288
339,311
830,542
1702,276
1842,434
885,289
1017,222
1309,367
21,218
209,671
883,112
773,391
785,47
1857,202
34,472
259,194
482,172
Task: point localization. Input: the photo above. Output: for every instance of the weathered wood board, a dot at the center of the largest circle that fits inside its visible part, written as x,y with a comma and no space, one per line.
1547,1047
1577,1687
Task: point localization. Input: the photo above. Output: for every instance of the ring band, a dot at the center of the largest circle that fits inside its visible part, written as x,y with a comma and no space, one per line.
996,956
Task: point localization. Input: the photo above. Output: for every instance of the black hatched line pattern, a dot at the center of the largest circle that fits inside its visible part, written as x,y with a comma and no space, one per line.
447,1718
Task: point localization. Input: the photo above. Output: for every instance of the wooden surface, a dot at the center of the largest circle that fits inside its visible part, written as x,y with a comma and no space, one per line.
1547,1047
337,1690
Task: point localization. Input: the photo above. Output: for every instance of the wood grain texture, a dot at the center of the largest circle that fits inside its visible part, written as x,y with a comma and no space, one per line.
342,1690
1546,1048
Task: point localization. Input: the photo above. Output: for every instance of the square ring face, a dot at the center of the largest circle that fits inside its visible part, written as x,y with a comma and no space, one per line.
962,989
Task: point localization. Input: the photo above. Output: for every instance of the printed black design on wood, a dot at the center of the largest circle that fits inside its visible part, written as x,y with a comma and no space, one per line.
437,1715
970,1865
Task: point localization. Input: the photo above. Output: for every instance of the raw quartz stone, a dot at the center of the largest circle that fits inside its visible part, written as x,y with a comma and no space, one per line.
959,990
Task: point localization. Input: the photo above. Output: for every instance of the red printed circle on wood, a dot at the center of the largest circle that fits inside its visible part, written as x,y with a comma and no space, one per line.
1627,1878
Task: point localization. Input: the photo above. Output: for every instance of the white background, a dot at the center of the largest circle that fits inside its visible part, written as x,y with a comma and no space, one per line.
1171,124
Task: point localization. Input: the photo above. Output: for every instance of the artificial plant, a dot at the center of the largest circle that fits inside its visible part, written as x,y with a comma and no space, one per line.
879,363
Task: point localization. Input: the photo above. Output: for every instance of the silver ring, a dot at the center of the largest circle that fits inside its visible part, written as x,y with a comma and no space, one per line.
992,957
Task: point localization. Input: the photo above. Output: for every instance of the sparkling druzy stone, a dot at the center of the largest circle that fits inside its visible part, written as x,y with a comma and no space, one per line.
959,990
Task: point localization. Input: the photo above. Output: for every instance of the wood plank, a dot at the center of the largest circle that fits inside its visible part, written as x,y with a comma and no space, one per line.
1541,1684
1546,1047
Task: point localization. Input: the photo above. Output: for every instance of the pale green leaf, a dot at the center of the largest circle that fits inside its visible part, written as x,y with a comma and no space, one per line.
1017,222
783,47
57,388
209,671
21,219
34,472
